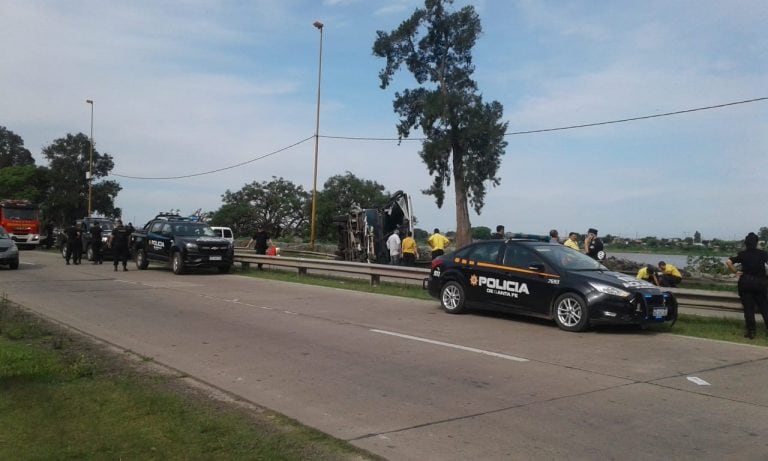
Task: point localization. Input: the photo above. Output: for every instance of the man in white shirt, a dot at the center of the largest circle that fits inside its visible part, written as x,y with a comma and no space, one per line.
393,244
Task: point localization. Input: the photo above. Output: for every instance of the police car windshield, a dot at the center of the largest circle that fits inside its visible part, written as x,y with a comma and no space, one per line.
568,259
193,229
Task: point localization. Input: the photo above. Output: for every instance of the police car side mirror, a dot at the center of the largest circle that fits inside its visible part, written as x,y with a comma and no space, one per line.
536,267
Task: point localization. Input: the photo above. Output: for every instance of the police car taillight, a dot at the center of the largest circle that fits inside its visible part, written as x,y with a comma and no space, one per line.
437,262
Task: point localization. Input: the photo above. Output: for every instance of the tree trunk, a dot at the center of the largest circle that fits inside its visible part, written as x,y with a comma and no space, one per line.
463,226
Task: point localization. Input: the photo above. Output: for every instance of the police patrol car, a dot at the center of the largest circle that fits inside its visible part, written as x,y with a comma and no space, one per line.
547,280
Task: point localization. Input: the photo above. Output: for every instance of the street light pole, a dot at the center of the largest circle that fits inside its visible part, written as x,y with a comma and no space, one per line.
90,161
319,26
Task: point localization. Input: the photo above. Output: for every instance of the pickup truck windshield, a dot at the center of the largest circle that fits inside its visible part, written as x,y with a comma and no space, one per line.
193,229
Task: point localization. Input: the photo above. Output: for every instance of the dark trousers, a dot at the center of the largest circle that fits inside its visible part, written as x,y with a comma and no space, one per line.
98,257
120,254
667,280
436,253
261,251
74,252
409,259
754,300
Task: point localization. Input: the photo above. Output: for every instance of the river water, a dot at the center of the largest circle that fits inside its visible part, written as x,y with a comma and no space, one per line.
678,261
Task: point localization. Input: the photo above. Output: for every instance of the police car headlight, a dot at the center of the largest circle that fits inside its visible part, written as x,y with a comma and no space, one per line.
191,246
104,239
610,290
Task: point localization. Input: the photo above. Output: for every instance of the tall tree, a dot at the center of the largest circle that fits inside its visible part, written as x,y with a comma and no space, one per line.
12,150
464,136
278,205
67,200
339,193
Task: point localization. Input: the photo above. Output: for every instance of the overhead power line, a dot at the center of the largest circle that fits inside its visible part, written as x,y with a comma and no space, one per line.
219,169
512,133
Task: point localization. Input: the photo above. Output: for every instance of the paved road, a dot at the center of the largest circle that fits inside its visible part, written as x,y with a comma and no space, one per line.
403,380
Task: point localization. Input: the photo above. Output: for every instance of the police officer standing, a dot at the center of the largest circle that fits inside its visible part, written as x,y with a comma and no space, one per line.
118,241
96,234
73,235
593,246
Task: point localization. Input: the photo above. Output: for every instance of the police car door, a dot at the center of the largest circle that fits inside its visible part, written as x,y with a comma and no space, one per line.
480,271
158,241
532,283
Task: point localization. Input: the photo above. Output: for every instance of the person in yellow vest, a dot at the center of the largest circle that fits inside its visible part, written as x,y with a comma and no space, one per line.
572,241
670,276
410,251
437,243
648,273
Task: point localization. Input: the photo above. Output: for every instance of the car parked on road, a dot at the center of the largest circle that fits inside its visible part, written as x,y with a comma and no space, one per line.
9,252
224,232
546,280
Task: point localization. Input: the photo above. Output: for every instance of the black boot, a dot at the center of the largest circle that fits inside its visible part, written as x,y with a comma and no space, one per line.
750,334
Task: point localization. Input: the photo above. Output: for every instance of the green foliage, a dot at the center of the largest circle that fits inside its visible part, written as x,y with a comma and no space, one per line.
67,197
464,136
481,233
420,234
705,265
339,193
24,182
279,205
12,150
763,234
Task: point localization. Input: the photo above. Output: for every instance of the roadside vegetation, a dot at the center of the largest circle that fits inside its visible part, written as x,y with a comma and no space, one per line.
717,328
64,397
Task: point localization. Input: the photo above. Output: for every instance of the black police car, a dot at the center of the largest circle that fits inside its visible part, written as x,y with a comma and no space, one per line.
545,280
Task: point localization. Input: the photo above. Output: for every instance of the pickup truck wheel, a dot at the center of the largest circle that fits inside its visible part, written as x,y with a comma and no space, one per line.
64,251
89,253
141,260
224,269
178,263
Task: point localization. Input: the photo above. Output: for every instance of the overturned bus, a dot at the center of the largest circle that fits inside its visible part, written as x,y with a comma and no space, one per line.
363,232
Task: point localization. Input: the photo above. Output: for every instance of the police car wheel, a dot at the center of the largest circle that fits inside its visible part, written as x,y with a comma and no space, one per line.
571,312
141,260
89,253
14,264
64,251
452,298
178,263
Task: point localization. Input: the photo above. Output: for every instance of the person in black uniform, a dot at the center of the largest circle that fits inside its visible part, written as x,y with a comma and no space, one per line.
593,246
753,285
96,233
118,241
260,242
73,236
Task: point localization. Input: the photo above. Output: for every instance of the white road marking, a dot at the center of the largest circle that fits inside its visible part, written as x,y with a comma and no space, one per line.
455,346
697,380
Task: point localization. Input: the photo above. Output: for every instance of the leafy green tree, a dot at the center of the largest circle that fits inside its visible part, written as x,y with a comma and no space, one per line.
12,150
279,205
24,182
420,234
481,233
67,198
763,234
697,237
339,193
464,136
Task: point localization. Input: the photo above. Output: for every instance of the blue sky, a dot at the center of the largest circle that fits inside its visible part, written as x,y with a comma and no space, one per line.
187,87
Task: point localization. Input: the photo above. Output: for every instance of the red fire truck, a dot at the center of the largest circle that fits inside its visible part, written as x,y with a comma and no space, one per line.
21,219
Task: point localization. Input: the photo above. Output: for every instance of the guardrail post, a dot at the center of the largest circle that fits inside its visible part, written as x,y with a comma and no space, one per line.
375,280
246,266
302,271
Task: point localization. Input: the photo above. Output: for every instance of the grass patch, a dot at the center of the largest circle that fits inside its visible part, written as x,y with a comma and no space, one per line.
407,290
720,328
62,397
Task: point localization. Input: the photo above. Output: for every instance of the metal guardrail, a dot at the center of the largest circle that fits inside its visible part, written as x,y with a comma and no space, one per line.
701,299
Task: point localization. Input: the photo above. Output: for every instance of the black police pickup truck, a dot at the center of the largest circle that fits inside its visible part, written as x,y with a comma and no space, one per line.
182,243
547,280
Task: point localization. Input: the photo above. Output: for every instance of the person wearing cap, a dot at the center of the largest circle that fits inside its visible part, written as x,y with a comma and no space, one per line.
593,246
648,273
572,241
670,275
437,243
753,284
